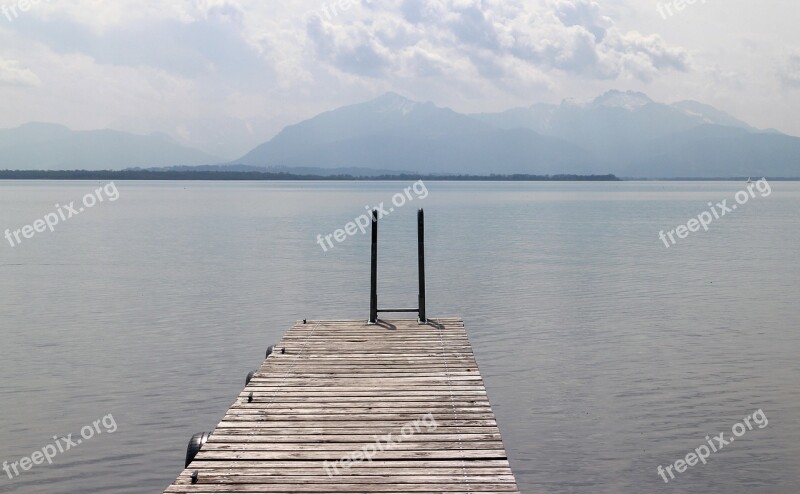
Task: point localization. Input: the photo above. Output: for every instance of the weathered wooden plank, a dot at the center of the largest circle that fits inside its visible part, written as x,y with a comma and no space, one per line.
335,429
343,438
344,488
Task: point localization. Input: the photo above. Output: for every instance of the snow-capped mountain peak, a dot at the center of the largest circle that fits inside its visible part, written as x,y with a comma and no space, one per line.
629,100
395,103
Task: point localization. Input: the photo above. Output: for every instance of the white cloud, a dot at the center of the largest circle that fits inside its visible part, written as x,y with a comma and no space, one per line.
12,73
642,56
570,36
586,14
789,72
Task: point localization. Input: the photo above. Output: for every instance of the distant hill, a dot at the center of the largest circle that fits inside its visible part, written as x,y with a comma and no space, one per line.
227,175
393,132
299,170
39,146
629,134
717,151
625,133
622,133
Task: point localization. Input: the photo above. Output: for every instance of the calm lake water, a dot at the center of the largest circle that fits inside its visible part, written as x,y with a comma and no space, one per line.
605,354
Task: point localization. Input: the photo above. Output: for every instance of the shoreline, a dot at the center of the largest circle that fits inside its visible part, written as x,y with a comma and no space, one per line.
269,176
233,176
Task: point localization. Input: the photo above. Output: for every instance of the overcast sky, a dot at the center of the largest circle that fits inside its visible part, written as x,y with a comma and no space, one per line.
225,75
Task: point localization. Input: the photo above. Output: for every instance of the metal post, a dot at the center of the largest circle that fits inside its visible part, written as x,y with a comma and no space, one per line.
421,258
373,296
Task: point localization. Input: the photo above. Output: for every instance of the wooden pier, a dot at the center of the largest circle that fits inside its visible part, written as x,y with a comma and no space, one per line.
351,407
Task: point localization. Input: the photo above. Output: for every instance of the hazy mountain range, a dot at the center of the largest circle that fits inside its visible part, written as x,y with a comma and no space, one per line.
625,133
40,146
